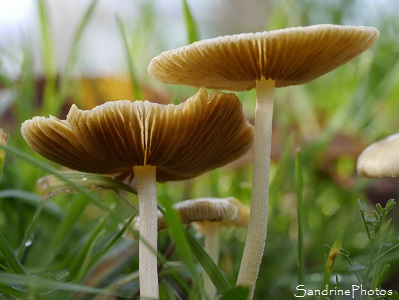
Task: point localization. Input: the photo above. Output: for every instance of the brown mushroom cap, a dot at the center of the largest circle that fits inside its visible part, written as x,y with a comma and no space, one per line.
182,141
227,211
289,56
380,159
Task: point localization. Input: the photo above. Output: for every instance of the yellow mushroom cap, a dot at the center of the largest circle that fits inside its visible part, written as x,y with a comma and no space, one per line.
380,159
182,141
289,56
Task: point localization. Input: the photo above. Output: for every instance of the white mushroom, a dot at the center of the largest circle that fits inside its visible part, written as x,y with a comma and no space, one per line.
208,215
263,61
380,159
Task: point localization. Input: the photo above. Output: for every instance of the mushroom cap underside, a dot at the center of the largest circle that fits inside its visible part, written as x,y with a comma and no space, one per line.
182,141
225,211
289,56
380,159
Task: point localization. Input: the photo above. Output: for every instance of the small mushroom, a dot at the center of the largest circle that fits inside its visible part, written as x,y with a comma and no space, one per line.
262,61
228,211
208,215
380,159
150,141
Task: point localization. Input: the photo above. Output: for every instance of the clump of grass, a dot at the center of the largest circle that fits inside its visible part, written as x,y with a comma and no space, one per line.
369,276
377,227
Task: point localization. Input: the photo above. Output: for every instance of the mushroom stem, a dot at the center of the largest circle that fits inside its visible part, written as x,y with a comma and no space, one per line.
146,191
211,244
257,226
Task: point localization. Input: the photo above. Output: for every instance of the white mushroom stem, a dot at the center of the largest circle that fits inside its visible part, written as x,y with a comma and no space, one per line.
257,227
146,190
211,234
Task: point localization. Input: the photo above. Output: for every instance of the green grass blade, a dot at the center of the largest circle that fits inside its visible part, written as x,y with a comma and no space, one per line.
120,282
26,91
332,255
73,53
382,274
78,265
9,290
237,293
35,162
301,218
178,234
65,229
102,272
363,208
111,242
95,274
84,268
337,285
50,209
378,265
182,284
10,256
380,256
217,277
192,31
133,78
29,229
37,282
48,59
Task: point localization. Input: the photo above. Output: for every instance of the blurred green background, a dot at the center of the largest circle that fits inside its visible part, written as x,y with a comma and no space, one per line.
55,53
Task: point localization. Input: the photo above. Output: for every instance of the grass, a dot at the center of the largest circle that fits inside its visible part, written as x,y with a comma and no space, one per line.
65,242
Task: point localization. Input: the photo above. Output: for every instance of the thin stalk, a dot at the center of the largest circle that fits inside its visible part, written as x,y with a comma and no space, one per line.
146,191
212,246
257,227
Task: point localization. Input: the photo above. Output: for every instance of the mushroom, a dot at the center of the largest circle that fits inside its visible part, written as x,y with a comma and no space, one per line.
262,61
152,142
380,159
208,215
